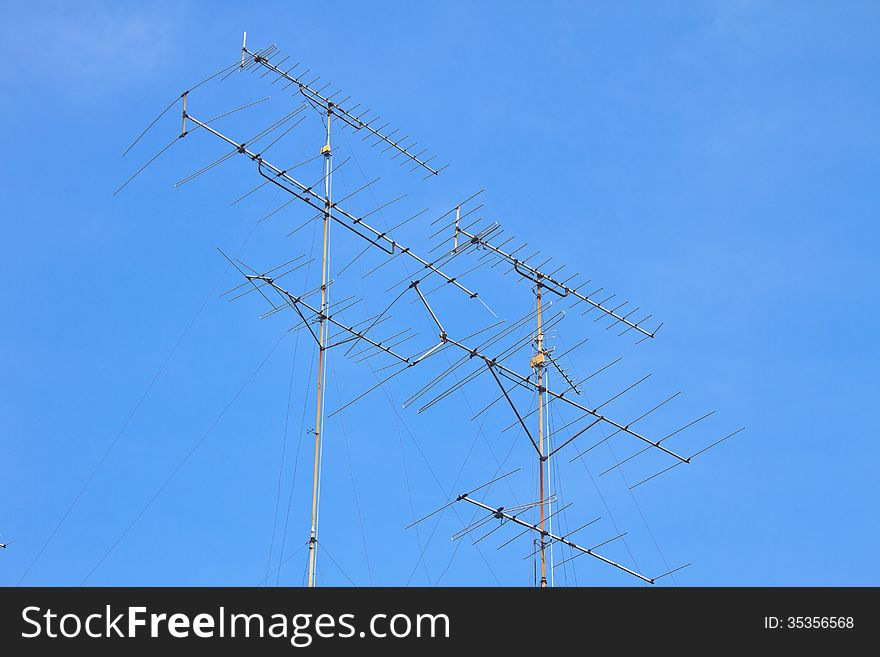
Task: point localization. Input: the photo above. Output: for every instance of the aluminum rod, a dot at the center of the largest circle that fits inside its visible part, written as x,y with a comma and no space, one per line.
521,380
499,513
322,331
309,196
518,417
538,366
336,110
555,286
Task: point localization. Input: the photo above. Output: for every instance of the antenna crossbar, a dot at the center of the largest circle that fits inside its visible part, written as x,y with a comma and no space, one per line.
296,301
529,383
560,288
346,116
308,195
501,514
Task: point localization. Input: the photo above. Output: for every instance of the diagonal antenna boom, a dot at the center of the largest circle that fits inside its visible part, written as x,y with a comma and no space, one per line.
336,110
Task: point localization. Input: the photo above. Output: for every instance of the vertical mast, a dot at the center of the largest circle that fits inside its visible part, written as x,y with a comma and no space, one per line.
538,365
322,340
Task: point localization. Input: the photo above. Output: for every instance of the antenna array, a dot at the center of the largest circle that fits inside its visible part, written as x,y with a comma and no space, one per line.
488,354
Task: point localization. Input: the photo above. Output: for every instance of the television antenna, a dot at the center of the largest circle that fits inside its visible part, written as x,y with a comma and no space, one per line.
489,353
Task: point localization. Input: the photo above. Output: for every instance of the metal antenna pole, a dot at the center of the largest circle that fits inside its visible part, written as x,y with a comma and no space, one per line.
322,341
538,365
548,451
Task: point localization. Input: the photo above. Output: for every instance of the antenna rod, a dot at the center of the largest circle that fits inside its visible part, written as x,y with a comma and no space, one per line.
315,96
501,514
306,194
322,340
561,289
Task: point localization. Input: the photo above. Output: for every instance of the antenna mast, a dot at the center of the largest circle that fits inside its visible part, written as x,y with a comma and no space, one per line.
322,344
537,364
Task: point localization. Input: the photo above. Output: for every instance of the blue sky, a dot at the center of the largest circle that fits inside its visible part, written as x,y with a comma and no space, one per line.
713,162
